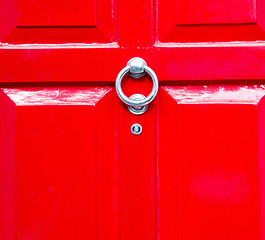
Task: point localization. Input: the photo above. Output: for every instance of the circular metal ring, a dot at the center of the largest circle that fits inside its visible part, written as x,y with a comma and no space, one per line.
138,102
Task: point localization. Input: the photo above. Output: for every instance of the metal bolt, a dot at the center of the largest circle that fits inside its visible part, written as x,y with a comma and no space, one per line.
136,129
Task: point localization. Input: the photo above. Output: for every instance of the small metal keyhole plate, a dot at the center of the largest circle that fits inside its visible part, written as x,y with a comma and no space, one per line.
137,110
136,129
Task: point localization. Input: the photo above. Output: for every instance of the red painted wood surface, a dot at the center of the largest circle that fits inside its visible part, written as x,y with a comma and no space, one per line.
41,22
199,50
227,12
209,172
70,167
53,13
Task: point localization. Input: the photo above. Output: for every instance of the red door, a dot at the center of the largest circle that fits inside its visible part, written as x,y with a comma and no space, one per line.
70,166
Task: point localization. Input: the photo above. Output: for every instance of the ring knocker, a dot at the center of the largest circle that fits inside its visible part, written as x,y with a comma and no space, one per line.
137,68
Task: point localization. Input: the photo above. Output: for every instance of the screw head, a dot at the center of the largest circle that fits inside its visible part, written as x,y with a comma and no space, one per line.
136,129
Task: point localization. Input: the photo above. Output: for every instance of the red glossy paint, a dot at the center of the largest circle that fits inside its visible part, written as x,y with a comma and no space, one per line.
70,167
52,13
209,172
41,22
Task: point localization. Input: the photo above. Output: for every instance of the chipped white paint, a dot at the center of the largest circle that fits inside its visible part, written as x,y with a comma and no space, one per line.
58,46
56,96
212,44
217,94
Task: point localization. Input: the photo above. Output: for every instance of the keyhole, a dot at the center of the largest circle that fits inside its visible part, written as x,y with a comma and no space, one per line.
136,129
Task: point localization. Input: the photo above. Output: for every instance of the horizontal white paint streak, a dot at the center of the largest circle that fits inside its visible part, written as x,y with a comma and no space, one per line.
56,96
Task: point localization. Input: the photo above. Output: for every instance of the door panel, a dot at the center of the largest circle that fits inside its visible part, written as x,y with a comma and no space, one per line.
55,189
209,183
56,13
217,12
53,192
210,21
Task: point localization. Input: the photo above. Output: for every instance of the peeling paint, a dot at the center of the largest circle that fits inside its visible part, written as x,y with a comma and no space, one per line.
217,94
54,96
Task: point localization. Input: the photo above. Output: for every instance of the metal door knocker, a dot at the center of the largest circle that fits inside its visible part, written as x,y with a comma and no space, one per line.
137,103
